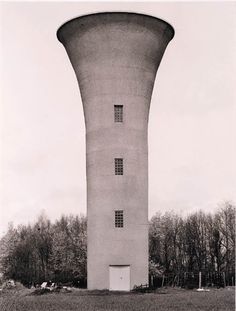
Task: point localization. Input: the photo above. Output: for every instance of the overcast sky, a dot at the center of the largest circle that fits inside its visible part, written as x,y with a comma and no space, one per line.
192,123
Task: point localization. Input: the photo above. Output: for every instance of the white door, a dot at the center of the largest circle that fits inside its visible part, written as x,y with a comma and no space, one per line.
119,278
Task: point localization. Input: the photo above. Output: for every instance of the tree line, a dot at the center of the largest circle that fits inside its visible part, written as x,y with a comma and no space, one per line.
177,245
45,251
200,242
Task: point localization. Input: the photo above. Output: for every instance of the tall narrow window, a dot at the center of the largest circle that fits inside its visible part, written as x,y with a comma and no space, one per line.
118,113
119,170
119,219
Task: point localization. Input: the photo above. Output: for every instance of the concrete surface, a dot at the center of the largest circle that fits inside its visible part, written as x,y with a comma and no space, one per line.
115,57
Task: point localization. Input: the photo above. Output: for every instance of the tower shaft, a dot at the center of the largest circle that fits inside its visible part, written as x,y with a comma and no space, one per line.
115,57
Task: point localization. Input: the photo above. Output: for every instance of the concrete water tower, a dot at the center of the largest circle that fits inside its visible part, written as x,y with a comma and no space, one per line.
115,57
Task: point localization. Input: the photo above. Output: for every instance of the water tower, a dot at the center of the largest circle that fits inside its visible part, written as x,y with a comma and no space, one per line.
115,57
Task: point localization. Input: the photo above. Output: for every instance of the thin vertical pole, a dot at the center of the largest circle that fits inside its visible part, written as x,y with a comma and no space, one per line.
224,279
200,280
163,280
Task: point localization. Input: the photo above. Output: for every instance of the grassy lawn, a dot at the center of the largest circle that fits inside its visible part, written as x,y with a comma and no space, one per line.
83,300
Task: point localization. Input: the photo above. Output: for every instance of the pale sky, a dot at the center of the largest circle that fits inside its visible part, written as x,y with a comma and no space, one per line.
192,124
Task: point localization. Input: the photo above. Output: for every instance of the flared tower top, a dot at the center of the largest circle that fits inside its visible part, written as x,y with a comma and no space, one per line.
84,23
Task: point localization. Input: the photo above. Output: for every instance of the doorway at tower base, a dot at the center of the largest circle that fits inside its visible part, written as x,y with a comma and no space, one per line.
119,278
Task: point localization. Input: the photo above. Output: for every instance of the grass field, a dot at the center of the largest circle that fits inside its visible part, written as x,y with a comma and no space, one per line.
83,300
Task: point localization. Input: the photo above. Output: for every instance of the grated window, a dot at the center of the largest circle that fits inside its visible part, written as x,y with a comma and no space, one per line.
118,113
119,219
119,170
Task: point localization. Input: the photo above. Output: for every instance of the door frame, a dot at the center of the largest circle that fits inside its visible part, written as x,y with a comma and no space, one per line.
129,277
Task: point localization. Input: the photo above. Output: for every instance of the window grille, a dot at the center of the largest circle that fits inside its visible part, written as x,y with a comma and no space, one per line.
119,170
119,219
118,113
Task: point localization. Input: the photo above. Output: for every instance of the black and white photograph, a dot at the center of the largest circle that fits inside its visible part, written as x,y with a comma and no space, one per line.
117,155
